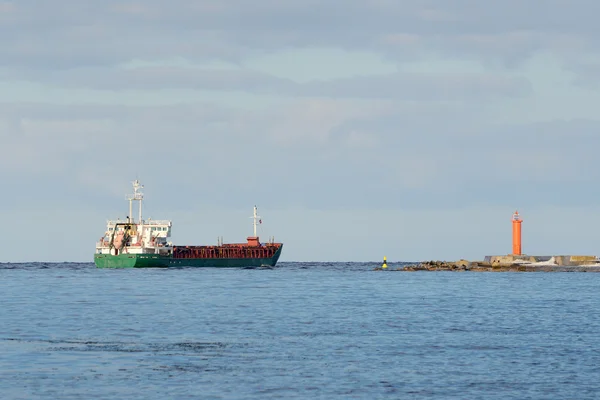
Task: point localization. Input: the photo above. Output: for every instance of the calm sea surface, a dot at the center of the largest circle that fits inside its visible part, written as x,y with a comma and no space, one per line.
298,331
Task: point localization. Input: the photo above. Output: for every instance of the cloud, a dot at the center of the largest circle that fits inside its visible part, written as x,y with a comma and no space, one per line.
6,8
422,86
400,85
89,144
113,32
314,153
160,77
586,74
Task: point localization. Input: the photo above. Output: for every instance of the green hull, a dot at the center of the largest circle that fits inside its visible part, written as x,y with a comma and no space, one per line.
156,261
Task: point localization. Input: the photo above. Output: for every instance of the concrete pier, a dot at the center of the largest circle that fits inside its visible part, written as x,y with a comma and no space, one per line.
561,260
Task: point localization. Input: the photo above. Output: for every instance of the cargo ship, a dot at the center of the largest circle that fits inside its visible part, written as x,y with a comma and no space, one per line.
139,243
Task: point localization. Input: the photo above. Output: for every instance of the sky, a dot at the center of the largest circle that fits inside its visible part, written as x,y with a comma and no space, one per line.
360,129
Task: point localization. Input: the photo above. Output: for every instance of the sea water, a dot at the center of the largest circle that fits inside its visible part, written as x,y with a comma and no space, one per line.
297,331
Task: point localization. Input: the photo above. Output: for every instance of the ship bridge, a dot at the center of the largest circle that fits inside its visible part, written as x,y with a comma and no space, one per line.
159,228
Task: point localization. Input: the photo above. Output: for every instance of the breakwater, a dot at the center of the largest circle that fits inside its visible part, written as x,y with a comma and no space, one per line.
486,266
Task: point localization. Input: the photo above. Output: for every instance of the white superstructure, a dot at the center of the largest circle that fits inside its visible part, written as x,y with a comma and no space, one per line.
133,236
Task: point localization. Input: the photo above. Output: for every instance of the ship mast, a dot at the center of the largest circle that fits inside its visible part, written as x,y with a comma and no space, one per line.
256,217
138,196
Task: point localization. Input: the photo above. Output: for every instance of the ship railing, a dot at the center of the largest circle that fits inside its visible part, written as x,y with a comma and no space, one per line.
150,222
263,244
230,246
112,223
157,222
